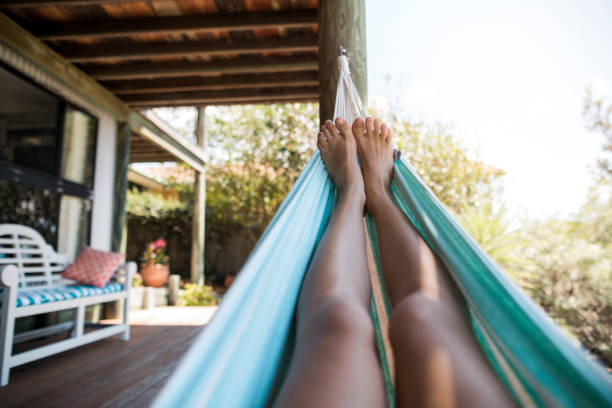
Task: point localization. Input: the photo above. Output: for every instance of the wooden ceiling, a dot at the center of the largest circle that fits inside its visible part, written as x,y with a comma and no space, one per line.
184,52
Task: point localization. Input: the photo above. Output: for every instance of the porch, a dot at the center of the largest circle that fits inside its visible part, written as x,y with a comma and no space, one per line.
110,372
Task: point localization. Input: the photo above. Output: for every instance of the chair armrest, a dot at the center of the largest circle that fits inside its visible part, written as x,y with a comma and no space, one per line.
9,276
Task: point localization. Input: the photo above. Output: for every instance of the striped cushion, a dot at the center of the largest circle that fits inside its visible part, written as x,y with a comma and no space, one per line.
29,297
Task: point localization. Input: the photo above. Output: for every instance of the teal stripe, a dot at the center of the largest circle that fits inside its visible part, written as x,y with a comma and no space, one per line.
554,370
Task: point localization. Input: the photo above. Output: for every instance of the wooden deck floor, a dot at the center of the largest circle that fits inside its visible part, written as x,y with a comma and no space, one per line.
110,372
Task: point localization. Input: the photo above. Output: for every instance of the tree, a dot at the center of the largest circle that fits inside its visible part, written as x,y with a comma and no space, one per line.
598,117
571,278
453,172
256,154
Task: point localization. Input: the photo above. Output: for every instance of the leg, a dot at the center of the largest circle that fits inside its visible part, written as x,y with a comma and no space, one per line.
438,361
335,362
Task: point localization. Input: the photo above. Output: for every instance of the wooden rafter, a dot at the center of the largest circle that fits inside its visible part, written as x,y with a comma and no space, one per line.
174,24
39,3
234,66
229,102
216,97
132,51
287,79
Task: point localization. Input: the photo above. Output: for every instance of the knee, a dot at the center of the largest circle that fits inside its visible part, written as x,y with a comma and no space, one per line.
338,316
415,314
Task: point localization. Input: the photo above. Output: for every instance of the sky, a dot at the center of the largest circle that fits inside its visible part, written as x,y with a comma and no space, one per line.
509,77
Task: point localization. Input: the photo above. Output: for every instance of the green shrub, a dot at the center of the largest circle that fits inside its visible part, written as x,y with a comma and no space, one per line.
198,295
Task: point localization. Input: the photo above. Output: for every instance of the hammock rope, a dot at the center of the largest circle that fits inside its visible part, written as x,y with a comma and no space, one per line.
240,358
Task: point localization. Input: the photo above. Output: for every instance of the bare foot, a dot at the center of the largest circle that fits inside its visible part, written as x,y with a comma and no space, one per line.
339,153
376,154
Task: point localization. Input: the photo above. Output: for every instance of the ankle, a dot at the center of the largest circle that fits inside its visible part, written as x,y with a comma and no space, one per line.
352,192
378,200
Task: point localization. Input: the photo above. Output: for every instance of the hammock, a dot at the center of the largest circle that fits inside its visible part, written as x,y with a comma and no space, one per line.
242,355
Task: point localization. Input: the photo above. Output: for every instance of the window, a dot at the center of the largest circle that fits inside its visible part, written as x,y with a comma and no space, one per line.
47,154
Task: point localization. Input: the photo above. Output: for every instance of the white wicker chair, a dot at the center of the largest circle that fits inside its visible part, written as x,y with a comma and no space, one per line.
31,282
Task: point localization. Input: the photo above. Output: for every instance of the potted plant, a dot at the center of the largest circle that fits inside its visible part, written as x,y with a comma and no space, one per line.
154,266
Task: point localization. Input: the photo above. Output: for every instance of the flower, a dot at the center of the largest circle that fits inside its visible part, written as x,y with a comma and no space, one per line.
155,253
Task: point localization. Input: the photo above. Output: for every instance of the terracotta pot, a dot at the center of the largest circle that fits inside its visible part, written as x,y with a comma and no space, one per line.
155,275
228,281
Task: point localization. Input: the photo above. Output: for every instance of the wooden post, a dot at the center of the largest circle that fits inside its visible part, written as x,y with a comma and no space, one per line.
341,22
199,208
122,160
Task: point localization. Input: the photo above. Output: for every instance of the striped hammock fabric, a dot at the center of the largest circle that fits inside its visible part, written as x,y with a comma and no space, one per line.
241,357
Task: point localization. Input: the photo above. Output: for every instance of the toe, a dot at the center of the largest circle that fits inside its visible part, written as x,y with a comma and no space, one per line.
321,140
344,127
358,127
389,137
326,135
384,132
377,125
369,126
332,132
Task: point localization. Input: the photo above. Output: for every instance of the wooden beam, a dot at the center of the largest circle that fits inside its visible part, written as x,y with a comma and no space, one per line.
286,79
40,3
177,146
234,95
341,22
233,66
135,51
22,43
153,158
230,102
174,24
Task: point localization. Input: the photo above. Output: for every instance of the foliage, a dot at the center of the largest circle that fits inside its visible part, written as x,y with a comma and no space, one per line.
489,227
256,154
572,279
137,281
447,167
147,205
599,118
198,295
155,253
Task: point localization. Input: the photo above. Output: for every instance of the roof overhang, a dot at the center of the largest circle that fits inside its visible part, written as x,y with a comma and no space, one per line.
181,52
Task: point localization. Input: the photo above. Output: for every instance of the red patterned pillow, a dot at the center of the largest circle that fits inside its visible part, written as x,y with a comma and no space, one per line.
93,267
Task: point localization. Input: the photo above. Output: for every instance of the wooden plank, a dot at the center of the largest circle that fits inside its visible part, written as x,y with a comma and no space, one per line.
233,66
32,49
41,3
153,352
234,95
194,83
189,24
134,51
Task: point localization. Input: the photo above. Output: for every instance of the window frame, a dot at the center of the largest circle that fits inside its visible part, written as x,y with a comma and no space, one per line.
28,176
